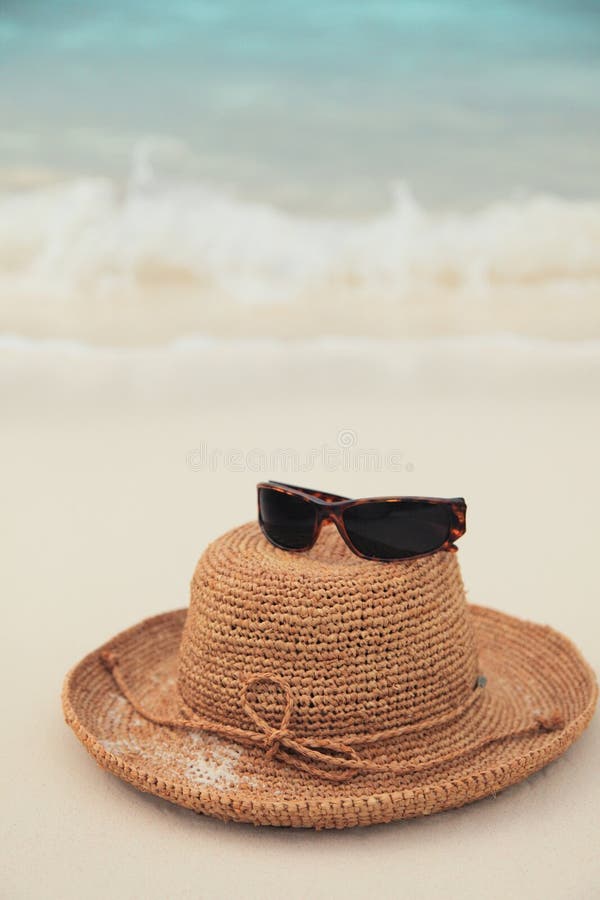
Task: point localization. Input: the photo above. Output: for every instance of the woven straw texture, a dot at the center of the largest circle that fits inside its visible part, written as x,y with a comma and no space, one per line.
296,660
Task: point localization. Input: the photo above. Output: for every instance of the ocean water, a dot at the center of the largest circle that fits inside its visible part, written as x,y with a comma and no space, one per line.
274,169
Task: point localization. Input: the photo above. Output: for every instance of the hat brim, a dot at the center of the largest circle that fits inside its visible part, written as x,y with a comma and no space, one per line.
529,669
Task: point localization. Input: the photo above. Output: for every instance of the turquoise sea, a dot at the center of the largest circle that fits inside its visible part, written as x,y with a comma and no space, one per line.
320,103
440,157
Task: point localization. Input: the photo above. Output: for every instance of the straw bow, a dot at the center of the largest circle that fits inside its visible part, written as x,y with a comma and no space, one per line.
277,741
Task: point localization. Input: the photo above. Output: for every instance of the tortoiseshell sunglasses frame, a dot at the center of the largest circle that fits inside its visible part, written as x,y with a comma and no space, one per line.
330,508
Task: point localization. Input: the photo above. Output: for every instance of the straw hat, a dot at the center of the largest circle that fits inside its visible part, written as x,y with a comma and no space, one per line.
322,690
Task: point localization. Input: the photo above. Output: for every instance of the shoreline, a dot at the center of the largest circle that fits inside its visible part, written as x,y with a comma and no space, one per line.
65,378
163,259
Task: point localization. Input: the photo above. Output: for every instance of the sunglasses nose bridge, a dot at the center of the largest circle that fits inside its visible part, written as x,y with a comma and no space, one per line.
328,516
324,515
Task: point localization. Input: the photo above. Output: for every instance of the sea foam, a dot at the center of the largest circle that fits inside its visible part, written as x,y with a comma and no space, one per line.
152,259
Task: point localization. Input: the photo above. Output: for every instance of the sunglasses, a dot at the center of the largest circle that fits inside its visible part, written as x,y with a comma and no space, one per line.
381,528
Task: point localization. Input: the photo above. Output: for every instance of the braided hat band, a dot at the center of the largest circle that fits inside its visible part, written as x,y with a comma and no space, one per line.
322,690
319,756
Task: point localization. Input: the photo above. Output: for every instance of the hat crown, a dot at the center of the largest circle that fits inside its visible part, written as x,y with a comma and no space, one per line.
364,646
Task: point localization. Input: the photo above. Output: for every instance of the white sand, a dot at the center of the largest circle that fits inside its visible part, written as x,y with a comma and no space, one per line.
107,503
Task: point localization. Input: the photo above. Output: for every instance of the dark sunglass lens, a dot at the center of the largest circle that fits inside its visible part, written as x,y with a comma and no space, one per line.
287,520
397,530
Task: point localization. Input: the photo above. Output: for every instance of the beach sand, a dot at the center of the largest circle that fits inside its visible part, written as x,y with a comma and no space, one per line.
120,465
